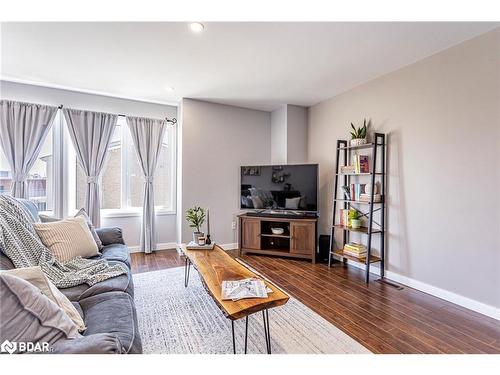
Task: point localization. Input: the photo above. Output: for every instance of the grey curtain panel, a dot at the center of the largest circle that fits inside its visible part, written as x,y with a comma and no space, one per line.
147,135
91,134
23,129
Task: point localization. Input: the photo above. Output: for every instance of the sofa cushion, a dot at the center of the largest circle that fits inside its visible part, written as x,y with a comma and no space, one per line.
115,252
26,315
113,312
99,343
122,283
110,235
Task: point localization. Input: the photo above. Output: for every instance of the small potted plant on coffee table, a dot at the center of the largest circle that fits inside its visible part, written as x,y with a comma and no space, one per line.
359,134
196,217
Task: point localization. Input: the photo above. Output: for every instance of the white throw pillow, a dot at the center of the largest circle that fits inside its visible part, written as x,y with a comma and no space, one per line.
292,203
36,277
68,238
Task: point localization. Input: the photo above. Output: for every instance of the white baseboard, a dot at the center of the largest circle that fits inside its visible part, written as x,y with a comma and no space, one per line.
480,307
229,246
160,246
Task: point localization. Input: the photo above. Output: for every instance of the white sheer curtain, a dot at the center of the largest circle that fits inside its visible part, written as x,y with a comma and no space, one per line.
147,135
23,128
91,134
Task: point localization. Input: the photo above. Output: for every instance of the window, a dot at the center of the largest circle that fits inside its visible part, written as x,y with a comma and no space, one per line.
40,177
111,184
122,183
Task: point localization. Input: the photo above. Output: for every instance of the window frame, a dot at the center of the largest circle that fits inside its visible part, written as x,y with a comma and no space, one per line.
127,210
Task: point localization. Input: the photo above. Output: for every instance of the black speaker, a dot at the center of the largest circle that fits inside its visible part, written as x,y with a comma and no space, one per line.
324,248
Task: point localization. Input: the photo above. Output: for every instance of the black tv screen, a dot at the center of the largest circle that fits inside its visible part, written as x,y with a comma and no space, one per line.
283,187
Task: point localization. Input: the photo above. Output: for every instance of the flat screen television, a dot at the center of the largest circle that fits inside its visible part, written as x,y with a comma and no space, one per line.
279,187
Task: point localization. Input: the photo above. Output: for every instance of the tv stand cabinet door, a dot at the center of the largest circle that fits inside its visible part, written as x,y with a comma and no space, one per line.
250,233
303,234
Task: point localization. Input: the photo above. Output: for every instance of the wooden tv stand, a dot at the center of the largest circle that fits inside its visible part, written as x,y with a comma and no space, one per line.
297,241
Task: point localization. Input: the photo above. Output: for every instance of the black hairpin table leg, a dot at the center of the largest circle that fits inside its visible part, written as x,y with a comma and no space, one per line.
267,332
187,268
234,340
246,333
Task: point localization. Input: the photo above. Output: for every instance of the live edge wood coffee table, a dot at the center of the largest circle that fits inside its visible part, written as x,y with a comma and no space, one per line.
215,266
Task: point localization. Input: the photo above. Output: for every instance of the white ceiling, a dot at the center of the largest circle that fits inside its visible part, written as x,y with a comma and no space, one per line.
255,65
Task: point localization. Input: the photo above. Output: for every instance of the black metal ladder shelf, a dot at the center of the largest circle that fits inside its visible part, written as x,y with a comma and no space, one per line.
378,148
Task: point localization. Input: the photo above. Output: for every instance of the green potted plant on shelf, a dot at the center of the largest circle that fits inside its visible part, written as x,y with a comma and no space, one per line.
359,134
355,219
196,217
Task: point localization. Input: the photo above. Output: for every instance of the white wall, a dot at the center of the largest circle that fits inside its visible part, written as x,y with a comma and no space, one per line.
216,140
289,134
442,119
44,95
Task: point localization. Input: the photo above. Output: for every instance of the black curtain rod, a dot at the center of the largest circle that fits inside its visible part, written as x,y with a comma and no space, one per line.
173,120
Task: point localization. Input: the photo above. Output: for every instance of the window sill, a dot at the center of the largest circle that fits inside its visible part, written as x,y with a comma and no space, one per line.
132,213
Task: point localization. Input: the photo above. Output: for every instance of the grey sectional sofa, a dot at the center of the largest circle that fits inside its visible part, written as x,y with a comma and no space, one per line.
107,307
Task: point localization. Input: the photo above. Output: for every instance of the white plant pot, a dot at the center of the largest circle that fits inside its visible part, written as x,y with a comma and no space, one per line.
355,223
358,141
197,235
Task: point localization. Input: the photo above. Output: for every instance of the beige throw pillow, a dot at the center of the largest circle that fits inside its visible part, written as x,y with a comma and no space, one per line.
36,277
83,213
68,238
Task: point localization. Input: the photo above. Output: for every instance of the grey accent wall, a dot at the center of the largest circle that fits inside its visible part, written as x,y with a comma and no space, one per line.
442,119
216,140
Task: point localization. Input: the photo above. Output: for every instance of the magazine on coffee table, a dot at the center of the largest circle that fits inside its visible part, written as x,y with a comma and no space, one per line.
246,288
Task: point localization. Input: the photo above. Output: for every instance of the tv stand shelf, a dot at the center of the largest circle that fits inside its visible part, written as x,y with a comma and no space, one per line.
297,241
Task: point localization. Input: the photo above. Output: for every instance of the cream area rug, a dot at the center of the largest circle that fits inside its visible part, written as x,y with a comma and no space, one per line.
176,320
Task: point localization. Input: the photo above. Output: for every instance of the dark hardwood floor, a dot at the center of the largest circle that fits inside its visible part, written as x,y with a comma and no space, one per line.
382,318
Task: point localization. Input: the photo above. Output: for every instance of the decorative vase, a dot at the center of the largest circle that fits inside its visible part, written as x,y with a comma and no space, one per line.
355,223
197,235
358,141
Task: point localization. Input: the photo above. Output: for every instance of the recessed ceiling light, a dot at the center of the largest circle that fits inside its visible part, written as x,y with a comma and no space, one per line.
169,88
196,27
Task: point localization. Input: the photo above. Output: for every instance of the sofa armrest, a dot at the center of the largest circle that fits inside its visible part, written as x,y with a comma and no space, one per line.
98,343
109,236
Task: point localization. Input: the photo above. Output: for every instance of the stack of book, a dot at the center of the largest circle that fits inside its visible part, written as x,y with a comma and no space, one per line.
347,169
360,165
344,217
366,198
355,250
356,191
